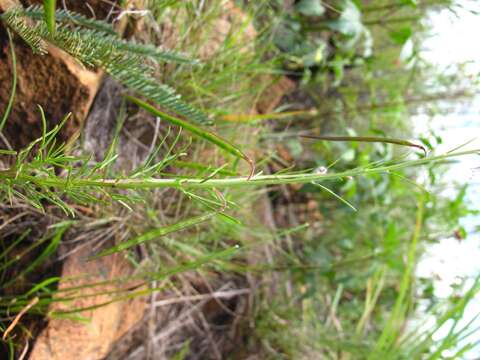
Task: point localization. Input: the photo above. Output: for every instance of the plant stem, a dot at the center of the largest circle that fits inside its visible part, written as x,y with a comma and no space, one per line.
261,180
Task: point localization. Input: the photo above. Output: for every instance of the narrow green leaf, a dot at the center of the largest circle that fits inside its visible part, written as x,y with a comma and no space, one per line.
335,195
392,330
156,233
14,82
371,139
11,349
202,168
196,264
49,14
47,252
190,266
201,133
43,285
44,126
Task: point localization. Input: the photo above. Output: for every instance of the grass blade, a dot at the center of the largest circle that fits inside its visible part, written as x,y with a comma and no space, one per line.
270,116
336,196
156,233
14,82
201,168
49,14
371,139
47,252
201,133
392,329
181,268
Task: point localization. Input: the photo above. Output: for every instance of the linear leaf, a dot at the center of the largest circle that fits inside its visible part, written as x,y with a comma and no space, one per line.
47,252
372,139
335,195
201,168
201,133
190,266
156,233
14,82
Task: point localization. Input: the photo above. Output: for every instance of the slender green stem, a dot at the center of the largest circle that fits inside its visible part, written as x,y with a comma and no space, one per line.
260,180
49,14
14,82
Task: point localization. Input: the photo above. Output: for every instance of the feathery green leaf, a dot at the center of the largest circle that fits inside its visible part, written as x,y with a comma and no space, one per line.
26,32
61,15
125,61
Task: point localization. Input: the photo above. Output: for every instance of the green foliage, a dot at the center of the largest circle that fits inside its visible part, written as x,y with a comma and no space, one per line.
33,299
304,41
349,290
354,278
61,15
157,233
123,60
210,137
349,24
36,180
310,7
371,139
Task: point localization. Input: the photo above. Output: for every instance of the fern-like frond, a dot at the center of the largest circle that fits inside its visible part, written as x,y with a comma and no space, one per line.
155,53
67,17
123,60
64,16
26,32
